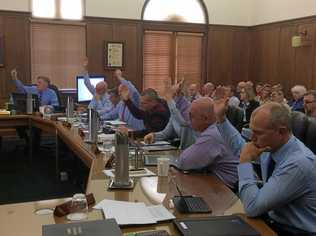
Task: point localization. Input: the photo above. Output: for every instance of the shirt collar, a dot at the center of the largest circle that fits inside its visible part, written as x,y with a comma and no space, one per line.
281,153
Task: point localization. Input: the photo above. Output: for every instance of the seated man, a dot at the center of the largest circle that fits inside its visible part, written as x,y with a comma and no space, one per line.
310,103
134,94
179,120
46,95
121,112
193,92
152,110
288,194
208,89
210,151
100,100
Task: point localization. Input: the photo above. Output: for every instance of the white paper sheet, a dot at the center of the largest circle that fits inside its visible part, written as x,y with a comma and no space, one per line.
128,213
141,173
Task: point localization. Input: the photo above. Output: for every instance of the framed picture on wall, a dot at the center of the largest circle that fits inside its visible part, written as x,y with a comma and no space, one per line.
1,51
114,54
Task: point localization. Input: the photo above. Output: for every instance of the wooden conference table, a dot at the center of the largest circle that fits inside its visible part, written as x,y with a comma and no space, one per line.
20,219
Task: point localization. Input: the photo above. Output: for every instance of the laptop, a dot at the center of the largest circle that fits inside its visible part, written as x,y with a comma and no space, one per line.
231,225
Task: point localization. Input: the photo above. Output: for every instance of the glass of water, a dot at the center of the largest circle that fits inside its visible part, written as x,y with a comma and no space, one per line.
79,207
107,145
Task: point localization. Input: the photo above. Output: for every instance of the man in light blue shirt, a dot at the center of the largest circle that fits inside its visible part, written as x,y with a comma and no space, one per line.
121,110
45,95
288,167
179,122
209,152
100,101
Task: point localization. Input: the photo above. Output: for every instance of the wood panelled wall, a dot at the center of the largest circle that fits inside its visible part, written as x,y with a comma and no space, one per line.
99,31
274,60
231,53
14,27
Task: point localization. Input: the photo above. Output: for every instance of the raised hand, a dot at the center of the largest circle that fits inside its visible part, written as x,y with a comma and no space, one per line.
85,64
220,108
123,91
149,138
14,74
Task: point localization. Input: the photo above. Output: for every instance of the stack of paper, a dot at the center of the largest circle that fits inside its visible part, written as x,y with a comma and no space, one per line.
133,213
132,173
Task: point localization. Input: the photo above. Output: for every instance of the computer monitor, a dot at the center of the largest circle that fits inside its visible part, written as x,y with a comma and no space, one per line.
83,94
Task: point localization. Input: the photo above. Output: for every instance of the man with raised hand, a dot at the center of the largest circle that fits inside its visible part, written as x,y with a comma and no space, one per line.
209,152
100,101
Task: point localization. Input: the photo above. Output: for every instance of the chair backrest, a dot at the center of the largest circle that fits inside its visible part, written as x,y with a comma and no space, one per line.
310,136
299,124
235,115
55,88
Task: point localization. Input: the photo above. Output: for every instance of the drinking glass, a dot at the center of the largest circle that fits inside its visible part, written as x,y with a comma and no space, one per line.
79,208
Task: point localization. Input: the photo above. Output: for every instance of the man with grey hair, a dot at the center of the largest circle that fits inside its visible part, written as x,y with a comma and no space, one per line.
310,103
193,92
208,89
297,104
209,152
288,194
152,110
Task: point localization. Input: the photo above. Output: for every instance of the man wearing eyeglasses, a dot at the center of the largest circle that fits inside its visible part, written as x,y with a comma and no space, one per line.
310,103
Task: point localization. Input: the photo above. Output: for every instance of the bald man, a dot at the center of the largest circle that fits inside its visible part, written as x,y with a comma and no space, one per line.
193,92
100,100
209,152
288,194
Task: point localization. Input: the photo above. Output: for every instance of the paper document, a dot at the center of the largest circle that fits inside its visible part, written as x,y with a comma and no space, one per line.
157,143
160,213
129,213
165,147
115,122
138,173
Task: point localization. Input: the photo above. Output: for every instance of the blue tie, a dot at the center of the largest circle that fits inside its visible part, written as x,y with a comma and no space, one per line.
271,166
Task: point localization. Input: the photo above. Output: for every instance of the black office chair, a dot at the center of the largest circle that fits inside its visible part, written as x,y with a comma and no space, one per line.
304,128
60,108
310,136
235,115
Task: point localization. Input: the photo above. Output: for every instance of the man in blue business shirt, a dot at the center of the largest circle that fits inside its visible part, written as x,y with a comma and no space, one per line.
209,152
100,101
288,194
121,111
179,122
46,95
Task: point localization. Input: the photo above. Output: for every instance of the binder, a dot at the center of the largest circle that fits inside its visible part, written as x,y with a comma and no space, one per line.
215,226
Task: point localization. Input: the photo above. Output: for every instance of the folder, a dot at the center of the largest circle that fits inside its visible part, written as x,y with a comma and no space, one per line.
107,227
216,226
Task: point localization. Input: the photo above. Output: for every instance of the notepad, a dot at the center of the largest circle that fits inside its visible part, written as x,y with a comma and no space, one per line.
134,213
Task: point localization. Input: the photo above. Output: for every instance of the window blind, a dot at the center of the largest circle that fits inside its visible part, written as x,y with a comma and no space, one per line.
57,51
157,59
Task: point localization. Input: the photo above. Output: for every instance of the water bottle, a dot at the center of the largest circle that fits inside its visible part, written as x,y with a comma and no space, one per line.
93,126
70,107
29,104
121,171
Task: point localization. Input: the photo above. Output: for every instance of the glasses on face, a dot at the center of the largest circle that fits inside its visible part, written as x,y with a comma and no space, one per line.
308,102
